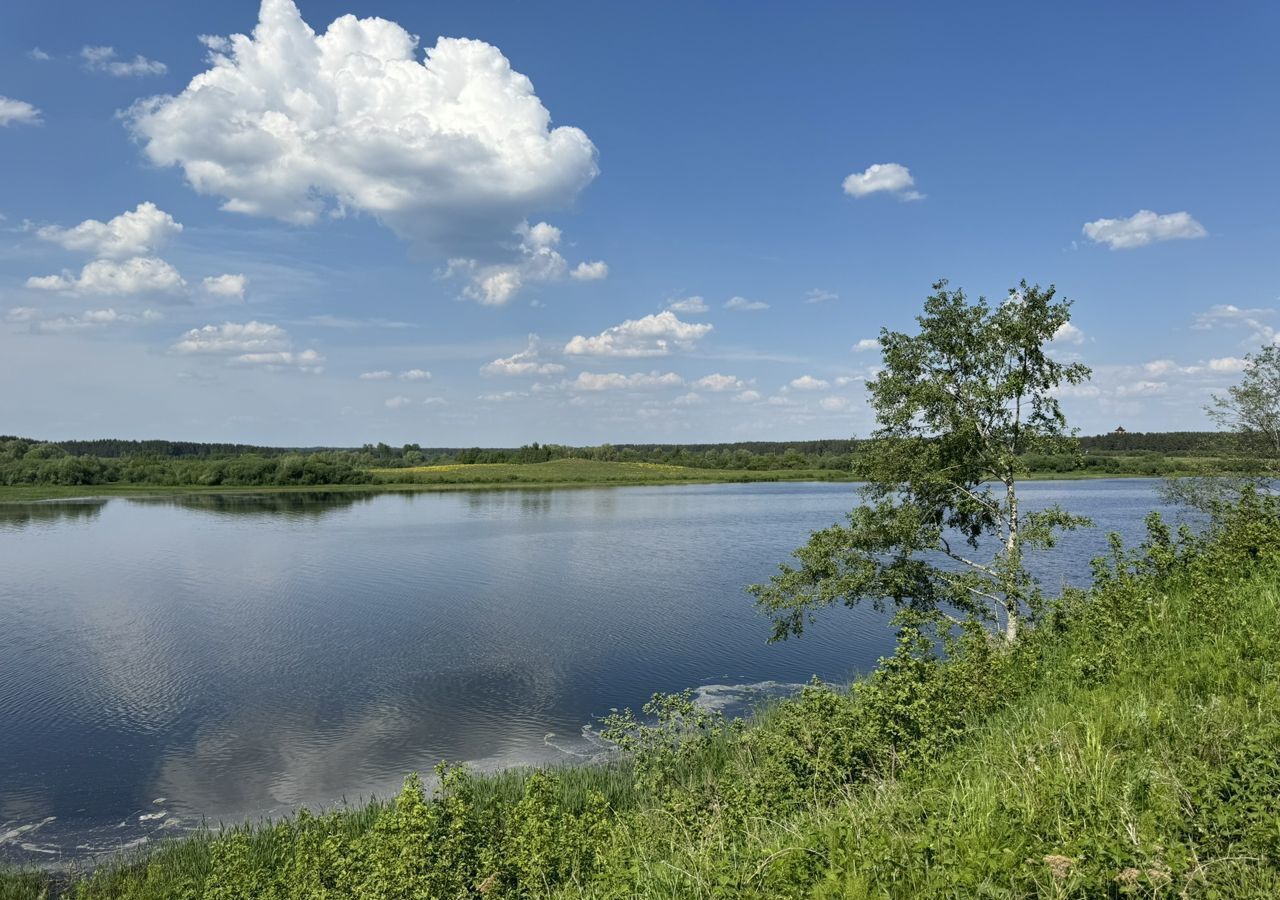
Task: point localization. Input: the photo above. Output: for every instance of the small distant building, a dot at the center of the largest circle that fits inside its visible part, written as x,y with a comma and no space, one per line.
1120,430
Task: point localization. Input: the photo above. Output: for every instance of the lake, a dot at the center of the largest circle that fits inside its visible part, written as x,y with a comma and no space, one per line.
218,657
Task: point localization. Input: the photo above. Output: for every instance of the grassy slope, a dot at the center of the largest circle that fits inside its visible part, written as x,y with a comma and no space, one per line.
1162,780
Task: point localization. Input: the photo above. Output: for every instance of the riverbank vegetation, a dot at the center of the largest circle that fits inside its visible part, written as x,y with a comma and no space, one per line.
31,469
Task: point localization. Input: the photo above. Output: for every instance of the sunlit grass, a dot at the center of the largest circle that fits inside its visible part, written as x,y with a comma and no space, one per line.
585,471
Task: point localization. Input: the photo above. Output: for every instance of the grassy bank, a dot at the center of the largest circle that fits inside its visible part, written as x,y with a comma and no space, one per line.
569,473
1125,747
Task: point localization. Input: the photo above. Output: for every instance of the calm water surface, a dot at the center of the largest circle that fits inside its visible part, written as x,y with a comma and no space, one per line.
165,661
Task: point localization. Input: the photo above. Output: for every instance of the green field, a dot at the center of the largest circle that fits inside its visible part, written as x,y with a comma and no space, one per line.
480,476
586,471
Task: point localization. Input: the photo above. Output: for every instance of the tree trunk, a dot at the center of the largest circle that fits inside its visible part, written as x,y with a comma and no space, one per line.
1012,553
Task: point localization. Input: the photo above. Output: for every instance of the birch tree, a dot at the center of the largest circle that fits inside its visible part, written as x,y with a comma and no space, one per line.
1251,409
1250,412
940,527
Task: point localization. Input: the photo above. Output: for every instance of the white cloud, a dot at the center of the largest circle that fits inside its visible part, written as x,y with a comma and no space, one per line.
866,344
226,285
104,59
1159,367
134,233
526,362
435,401
834,404
689,305
379,375
396,402
718,382
888,177
17,112
614,381
415,375
1228,315
453,151
1068,334
746,397
494,287
1142,228
818,295
249,343
1228,364
503,396
140,275
808,383
305,361
590,271
689,399
38,55
1225,314
538,260
90,319
653,335
742,304
234,337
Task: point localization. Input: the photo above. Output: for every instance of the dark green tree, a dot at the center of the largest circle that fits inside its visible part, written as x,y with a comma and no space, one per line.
940,528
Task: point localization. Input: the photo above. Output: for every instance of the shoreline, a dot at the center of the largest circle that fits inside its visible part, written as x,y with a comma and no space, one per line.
15,494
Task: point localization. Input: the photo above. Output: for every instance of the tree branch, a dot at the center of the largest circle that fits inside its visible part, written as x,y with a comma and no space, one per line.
946,549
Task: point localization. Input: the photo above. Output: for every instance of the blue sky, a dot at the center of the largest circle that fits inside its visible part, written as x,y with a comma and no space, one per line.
225,258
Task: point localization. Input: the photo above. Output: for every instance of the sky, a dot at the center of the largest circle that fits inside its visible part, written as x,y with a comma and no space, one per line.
459,224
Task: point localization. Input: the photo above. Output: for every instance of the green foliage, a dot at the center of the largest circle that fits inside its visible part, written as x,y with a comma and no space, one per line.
1250,411
34,469
959,407
683,733
24,462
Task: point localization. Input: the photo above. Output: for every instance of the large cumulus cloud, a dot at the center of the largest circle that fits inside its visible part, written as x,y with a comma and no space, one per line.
453,152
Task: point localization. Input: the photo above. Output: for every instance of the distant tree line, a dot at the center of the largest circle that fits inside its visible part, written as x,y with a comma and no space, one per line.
109,461
28,462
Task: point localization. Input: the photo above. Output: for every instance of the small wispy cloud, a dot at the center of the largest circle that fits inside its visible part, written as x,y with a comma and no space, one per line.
105,60
742,304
